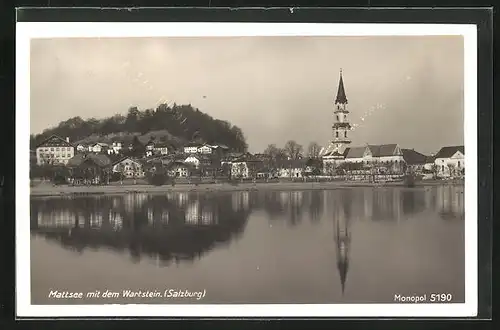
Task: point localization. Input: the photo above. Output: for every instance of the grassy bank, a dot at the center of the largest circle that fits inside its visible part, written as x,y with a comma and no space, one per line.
51,190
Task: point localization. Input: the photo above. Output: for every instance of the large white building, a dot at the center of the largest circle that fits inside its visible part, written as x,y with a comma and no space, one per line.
54,150
450,162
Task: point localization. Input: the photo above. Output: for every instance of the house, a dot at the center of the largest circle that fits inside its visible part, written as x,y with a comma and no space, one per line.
54,150
179,169
193,160
415,161
205,149
90,167
450,161
98,147
82,147
116,147
161,148
291,168
130,167
191,148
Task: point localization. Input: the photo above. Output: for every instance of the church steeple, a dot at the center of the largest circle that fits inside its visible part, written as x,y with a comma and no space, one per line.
342,240
341,97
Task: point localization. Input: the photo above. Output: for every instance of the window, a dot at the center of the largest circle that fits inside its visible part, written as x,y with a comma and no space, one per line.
345,133
338,119
337,134
51,149
442,167
458,163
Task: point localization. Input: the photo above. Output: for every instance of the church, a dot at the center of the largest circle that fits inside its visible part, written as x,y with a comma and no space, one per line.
339,151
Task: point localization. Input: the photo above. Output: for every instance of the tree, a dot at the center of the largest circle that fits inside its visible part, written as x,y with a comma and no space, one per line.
435,170
313,150
293,149
452,170
121,170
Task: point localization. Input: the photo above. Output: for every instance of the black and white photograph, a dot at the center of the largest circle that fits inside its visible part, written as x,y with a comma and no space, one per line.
237,169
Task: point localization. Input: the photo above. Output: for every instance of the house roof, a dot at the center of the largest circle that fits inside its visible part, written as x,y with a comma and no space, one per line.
54,140
447,152
125,158
413,157
99,160
356,152
430,159
382,150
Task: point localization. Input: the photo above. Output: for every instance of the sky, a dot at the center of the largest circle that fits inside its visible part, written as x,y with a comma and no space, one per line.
401,89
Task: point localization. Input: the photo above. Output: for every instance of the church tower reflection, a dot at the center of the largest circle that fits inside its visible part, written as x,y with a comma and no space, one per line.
342,239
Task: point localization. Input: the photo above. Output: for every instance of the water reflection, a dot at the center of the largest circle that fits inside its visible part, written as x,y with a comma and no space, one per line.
175,227
163,227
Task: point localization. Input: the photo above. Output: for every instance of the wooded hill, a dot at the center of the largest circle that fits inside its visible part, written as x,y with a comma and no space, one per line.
176,124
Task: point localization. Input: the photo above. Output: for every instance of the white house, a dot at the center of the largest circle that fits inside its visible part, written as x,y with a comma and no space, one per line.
160,148
81,148
193,160
179,170
54,150
239,169
116,147
131,168
97,147
191,148
206,149
449,161
291,168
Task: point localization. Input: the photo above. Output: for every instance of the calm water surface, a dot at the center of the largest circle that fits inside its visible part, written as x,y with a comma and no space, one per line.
356,245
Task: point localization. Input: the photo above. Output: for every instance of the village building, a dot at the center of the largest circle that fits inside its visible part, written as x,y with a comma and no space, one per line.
117,146
54,151
193,160
91,168
205,149
191,148
161,148
291,168
450,162
415,161
98,147
82,147
179,169
129,167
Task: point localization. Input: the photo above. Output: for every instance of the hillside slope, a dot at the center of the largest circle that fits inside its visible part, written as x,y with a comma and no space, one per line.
177,124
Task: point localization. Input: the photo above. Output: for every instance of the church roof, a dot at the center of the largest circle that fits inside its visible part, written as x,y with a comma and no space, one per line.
383,150
341,97
356,152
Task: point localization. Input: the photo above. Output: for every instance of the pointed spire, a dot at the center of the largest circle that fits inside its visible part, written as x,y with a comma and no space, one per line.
342,267
341,97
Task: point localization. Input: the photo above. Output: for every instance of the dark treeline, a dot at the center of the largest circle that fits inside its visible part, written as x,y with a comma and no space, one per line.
184,123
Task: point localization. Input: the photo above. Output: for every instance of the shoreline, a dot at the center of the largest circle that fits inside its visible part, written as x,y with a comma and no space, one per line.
64,190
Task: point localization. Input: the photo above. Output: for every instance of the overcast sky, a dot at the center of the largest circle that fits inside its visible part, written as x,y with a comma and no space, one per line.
274,88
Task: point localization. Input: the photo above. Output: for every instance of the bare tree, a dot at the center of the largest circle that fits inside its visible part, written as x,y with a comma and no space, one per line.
272,151
313,150
293,149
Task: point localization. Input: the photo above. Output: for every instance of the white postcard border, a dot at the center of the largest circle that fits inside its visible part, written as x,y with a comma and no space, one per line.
25,31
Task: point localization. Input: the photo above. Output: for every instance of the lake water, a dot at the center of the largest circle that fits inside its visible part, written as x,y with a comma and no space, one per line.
350,245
